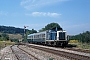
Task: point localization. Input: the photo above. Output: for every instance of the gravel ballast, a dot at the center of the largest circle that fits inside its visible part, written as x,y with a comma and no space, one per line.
7,54
42,55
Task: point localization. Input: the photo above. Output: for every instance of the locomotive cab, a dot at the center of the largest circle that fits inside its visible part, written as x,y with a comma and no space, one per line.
61,35
62,38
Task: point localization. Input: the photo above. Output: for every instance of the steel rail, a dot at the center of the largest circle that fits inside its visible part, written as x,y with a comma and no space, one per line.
62,53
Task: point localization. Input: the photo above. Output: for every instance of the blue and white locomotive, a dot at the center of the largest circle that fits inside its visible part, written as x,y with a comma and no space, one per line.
50,37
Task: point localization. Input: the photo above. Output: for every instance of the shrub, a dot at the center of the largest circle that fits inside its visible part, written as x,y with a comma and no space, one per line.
73,41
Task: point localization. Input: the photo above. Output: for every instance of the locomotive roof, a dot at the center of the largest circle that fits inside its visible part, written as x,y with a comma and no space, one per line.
37,33
30,34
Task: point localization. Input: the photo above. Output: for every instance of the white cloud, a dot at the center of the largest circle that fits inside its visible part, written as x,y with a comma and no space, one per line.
44,14
30,4
53,14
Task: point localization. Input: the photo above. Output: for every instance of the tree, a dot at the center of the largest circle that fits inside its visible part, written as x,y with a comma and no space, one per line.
4,37
15,40
51,26
82,37
31,31
43,29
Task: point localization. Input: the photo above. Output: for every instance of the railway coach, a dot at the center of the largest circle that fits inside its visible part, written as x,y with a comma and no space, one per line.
54,37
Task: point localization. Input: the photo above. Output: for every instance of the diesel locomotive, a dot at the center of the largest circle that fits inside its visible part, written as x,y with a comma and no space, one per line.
54,37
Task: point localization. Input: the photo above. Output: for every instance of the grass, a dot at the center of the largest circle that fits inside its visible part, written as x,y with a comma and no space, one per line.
84,46
15,36
5,43
78,44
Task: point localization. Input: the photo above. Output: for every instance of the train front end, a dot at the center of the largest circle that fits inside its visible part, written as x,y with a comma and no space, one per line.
62,38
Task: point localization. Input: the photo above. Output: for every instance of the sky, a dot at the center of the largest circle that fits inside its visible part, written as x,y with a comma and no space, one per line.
72,15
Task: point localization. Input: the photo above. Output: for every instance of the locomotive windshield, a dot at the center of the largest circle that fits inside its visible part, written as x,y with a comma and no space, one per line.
61,35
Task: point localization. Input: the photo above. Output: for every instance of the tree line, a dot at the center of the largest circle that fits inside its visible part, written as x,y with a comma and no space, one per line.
5,30
14,30
11,30
82,37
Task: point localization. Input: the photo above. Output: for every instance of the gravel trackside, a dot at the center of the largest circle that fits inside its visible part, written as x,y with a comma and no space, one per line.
7,54
42,55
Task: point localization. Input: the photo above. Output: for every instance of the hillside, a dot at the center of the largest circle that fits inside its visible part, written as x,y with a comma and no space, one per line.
14,30
13,34
11,30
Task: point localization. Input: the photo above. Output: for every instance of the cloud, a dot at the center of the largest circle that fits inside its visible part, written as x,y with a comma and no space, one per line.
44,14
30,4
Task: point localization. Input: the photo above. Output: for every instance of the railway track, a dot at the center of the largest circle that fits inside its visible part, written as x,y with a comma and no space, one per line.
68,48
79,50
68,55
74,49
22,54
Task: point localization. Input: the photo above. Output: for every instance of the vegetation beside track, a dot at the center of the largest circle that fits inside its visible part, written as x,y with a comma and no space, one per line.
82,37
5,43
83,45
80,45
